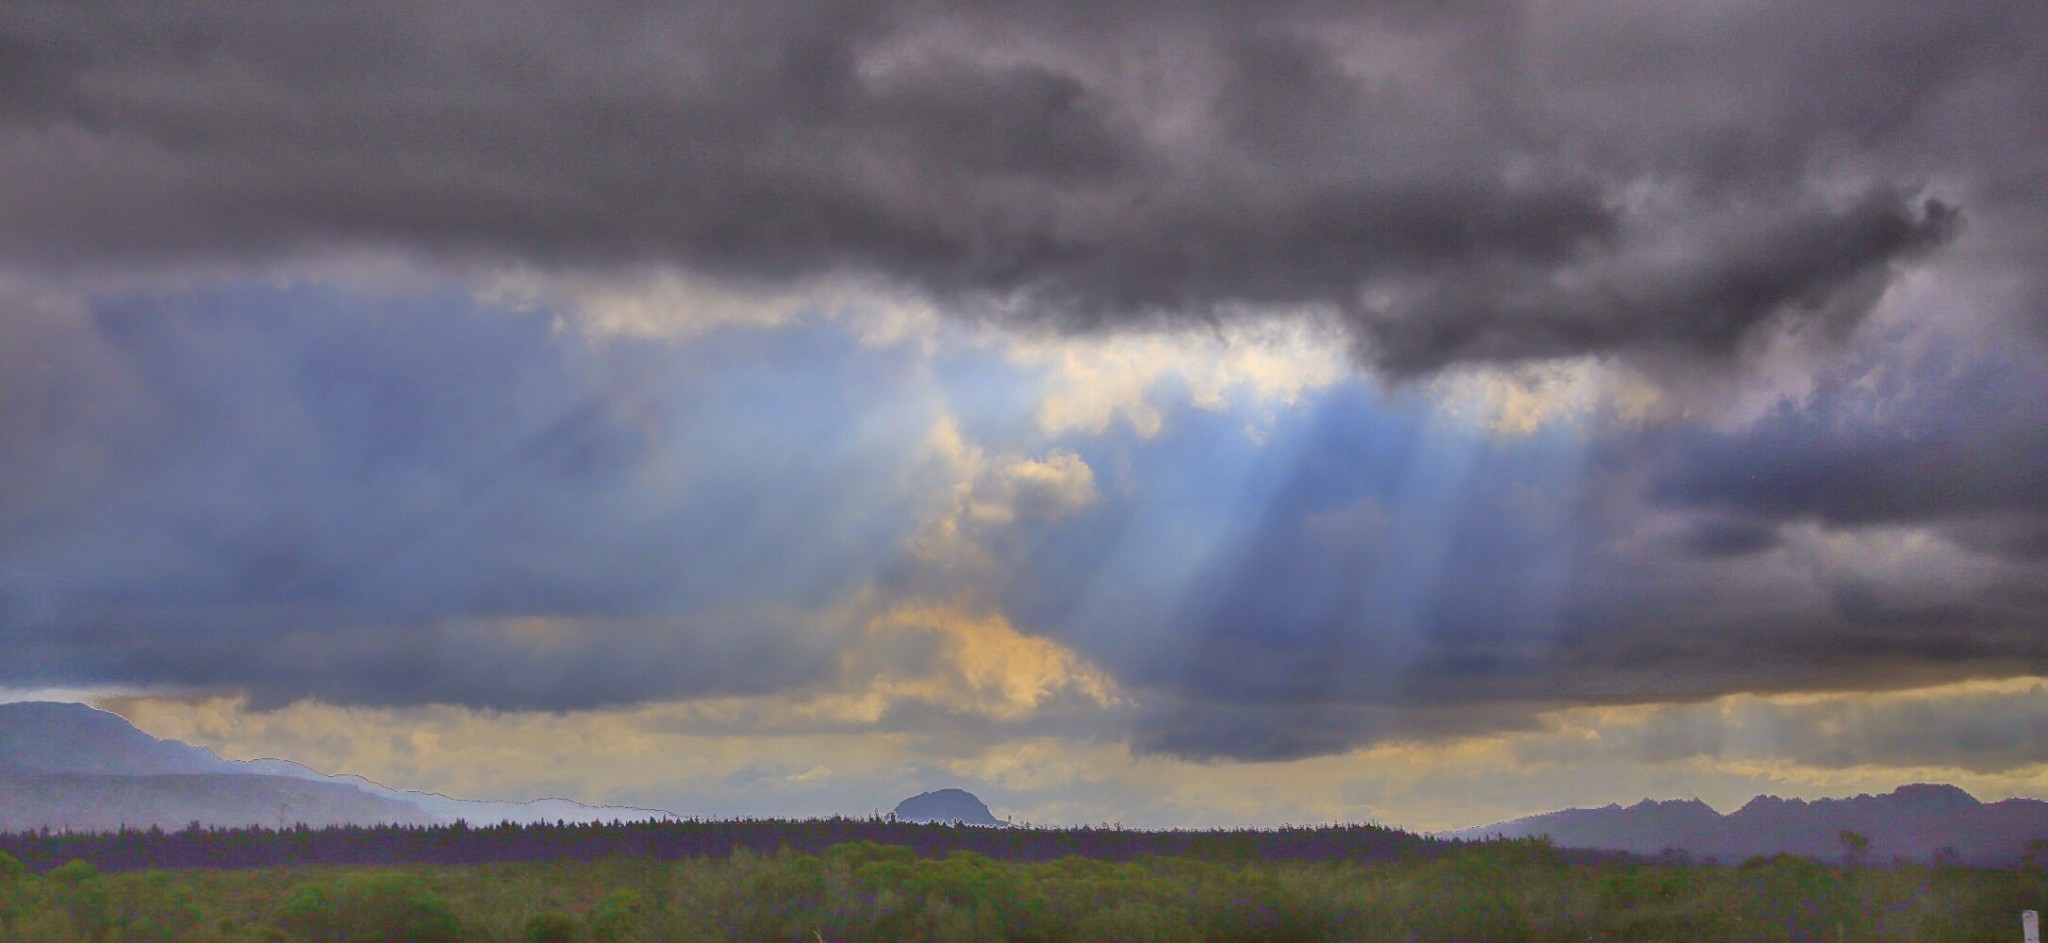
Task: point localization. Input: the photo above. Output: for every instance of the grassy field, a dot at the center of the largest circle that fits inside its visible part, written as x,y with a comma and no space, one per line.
866,891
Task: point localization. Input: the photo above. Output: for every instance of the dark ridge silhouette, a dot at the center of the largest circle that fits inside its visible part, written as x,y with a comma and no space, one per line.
195,847
1920,822
945,806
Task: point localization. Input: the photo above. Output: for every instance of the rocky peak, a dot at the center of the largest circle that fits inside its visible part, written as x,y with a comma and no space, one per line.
945,805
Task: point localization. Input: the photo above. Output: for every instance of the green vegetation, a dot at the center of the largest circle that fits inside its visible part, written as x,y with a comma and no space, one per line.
1503,892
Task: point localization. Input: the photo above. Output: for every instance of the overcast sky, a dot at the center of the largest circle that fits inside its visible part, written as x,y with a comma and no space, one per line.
1168,413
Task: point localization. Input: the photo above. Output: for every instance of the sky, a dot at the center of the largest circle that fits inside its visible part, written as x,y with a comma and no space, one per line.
1167,414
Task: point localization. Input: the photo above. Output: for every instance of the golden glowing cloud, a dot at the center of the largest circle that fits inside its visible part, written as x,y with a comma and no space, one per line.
979,663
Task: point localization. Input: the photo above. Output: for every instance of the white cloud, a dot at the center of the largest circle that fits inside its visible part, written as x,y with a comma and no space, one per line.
1517,401
1094,382
649,303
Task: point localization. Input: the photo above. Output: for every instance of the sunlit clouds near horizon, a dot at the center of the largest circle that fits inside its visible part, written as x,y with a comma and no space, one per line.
1235,414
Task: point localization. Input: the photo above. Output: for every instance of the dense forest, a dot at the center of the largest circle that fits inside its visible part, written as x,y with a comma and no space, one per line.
1219,887
197,847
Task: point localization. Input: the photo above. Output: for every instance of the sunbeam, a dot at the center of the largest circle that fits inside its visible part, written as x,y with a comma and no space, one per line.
1091,404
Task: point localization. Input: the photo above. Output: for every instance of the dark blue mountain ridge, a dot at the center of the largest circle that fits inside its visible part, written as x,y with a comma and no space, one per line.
1918,821
948,806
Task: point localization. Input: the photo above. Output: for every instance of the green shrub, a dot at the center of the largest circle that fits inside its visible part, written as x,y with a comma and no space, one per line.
1136,922
551,926
618,918
1788,899
14,889
1468,898
372,907
1965,905
76,890
153,907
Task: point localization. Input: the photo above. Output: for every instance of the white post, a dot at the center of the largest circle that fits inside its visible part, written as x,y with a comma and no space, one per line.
2030,922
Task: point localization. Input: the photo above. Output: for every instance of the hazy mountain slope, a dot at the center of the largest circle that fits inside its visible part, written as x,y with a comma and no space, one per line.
86,802
73,738
1915,821
478,811
118,765
1646,827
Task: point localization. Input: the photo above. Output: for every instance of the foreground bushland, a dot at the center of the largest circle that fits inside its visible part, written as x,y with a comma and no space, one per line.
1504,892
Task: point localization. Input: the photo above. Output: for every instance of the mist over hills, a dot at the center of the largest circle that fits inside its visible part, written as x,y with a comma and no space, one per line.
49,737
85,802
71,766
1919,822
74,767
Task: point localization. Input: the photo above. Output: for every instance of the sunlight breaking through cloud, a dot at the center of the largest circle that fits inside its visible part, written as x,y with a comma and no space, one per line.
774,407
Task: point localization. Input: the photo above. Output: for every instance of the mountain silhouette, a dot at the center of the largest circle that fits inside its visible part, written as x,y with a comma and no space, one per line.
1920,822
71,766
946,805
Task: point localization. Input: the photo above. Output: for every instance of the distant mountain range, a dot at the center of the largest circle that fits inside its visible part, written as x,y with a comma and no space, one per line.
1918,822
70,766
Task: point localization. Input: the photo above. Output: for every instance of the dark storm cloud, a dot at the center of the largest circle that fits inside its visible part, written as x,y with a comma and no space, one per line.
2022,538
1807,263
1730,538
1952,434
352,654
1211,731
1476,181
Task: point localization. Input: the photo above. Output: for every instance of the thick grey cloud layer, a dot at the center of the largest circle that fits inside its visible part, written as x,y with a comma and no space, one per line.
1469,181
369,500
1915,436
